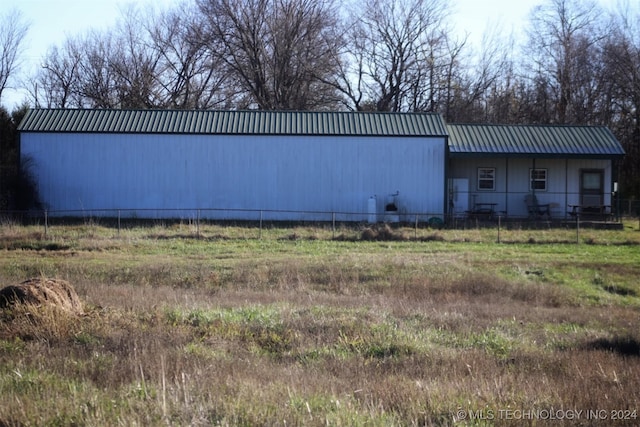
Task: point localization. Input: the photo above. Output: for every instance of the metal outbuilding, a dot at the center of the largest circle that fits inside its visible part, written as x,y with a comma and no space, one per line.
238,164
291,165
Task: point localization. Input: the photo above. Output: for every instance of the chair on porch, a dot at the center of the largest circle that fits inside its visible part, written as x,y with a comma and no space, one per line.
535,209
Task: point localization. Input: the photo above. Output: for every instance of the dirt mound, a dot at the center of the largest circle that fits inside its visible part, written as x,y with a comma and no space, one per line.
42,291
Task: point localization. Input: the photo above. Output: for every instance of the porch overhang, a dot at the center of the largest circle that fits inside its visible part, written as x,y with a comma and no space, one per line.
533,141
512,155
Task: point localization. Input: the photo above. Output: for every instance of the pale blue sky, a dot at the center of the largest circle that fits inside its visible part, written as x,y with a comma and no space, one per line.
53,20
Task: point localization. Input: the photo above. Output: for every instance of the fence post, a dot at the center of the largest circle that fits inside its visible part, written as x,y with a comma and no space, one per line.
499,223
415,228
333,224
46,222
577,228
118,222
260,234
198,224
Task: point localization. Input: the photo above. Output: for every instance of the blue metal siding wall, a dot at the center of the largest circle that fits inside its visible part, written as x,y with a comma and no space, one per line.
313,173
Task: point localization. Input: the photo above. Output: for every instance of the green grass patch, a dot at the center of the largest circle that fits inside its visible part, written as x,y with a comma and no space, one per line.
297,325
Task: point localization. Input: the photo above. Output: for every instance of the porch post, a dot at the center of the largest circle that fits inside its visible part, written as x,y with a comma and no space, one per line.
506,187
532,188
448,211
566,187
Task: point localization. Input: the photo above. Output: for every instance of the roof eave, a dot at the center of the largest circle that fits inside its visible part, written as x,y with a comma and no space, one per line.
467,155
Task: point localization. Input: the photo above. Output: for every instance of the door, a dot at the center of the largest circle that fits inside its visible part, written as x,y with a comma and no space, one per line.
458,196
591,189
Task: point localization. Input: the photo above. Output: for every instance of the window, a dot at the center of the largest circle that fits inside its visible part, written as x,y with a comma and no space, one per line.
486,178
538,179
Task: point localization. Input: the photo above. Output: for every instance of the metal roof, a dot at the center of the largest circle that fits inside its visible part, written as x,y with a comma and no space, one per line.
464,139
233,122
532,141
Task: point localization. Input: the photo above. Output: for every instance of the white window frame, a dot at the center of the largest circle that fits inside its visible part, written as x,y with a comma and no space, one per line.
539,176
486,176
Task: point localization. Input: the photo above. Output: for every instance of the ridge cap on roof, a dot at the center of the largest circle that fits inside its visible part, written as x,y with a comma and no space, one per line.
236,111
557,125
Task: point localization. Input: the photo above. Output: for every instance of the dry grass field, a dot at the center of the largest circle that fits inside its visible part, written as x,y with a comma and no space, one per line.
311,326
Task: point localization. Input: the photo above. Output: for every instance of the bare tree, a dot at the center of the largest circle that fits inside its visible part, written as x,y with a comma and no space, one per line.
189,76
393,60
563,36
98,87
483,87
56,83
442,84
110,69
279,52
134,62
77,74
620,105
13,30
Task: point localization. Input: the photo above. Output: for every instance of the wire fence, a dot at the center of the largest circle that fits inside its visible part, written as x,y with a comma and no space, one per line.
129,217
628,209
341,225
